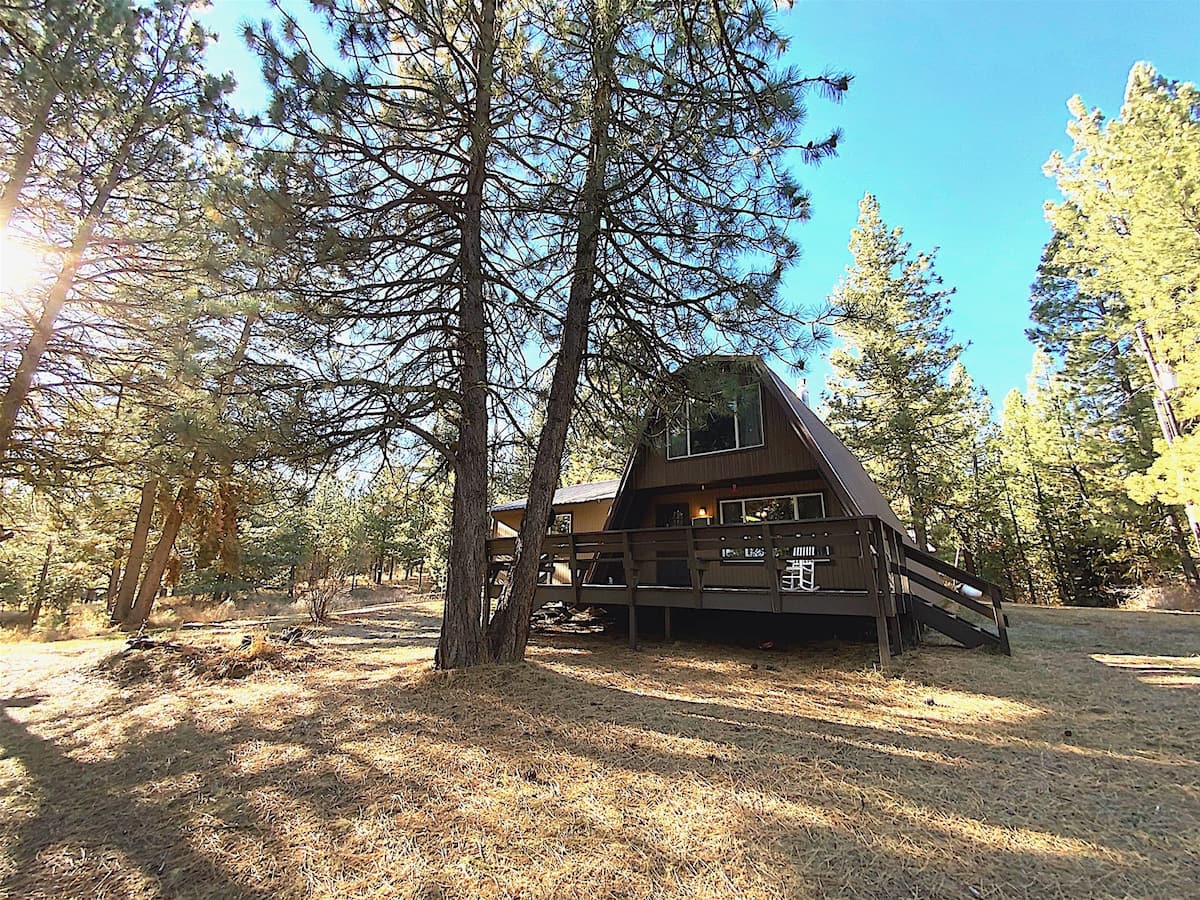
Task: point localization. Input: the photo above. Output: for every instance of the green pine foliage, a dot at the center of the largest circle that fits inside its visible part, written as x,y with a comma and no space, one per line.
894,398
1127,240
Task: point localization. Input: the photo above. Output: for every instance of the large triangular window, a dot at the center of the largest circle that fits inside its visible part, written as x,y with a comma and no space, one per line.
732,421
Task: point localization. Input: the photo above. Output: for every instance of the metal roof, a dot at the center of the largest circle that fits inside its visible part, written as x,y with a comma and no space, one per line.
572,493
842,462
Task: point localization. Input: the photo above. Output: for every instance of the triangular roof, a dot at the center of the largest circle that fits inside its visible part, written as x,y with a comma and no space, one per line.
837,462
842,467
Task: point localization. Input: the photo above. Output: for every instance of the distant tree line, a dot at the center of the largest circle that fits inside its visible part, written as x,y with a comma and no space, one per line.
1083,486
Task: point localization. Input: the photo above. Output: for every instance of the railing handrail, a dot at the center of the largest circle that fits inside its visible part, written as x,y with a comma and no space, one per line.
751,528
942,567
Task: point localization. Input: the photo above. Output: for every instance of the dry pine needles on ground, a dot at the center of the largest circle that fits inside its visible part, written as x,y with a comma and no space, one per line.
152,659
1071,770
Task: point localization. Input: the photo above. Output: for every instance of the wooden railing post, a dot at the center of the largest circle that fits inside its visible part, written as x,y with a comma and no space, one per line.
875,592
883,581
631,579
574,563
773,569
694,568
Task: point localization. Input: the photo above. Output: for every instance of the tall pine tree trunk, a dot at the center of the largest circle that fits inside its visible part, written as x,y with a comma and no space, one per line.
461,641
152,580
137,552
1167,422
1186,561
114,580
1026,565
31,134
19,171
509,631
35,609
43,331
916,500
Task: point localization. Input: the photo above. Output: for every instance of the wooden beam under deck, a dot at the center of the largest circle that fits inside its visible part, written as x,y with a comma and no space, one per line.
823,603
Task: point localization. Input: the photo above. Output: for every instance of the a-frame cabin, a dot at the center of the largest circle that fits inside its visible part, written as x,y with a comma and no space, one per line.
745,500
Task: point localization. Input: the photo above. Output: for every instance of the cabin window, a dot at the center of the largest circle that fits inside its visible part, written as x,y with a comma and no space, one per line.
788,507
562,523
727,424
784,508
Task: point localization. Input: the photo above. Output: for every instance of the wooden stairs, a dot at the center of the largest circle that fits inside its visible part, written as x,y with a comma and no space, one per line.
937,605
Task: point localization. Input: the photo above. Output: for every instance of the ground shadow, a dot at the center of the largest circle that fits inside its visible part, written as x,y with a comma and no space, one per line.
627,766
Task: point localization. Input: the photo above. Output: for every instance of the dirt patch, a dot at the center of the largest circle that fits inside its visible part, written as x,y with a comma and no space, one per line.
1169,595
166,661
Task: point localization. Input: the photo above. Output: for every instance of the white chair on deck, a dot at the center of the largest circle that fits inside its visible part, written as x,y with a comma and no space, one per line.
800,573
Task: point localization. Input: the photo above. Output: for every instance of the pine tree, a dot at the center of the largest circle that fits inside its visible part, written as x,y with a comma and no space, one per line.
892,399
1127,236
102,180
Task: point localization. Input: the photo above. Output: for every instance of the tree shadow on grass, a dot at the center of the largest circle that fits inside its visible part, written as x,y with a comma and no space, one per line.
86,811
620,774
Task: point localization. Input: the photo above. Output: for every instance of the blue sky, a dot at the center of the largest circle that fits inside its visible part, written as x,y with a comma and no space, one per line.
953,111
954,108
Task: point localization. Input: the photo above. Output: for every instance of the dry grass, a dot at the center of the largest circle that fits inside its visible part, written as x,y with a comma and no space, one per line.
1174,595
83,620
1070,770
166,663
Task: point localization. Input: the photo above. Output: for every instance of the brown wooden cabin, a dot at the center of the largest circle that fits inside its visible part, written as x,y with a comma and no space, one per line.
747,501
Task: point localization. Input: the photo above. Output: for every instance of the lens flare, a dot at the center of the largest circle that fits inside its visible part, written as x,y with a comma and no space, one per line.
22,267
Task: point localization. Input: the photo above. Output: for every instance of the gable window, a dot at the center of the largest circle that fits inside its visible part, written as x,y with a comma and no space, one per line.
726,424
784,508
562,523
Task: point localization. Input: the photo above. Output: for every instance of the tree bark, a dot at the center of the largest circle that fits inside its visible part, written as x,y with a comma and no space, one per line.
1167,421
509,631
35,610
461,641
43,331
1012,514
30,138
114,580
152,580
31,356
137,552
916,502
1187,563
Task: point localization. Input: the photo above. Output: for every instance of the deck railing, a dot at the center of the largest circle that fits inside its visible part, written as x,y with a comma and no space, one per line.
714,556
854,566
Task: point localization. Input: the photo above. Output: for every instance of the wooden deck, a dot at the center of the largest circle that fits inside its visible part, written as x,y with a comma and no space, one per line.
858,567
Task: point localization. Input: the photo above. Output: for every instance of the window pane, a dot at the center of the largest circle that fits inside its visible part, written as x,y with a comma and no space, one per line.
712,428
750,416
773,509
731,512
560,524
810,506
676,443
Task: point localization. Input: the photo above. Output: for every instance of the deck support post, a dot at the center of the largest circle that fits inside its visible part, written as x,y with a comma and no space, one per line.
633,635
881,632
667,624
695,571
883,584
774,567
575,574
